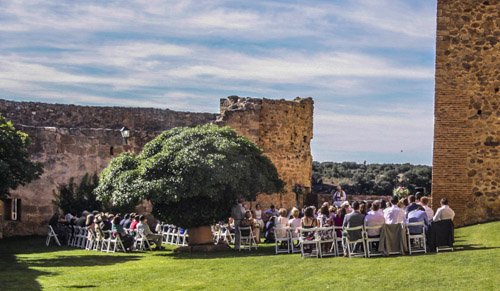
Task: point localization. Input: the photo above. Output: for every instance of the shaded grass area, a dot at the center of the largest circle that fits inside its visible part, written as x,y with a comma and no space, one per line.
26,264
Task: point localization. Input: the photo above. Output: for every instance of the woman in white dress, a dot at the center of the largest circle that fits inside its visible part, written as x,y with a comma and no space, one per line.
260,222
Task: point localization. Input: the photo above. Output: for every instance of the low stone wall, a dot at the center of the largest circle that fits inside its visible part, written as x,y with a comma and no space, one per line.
329,198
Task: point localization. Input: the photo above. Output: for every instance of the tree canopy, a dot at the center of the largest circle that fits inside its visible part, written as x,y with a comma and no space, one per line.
16,168
192,176
371,179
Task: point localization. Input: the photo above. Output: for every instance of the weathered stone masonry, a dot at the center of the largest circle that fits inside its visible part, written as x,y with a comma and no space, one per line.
73,140
466,165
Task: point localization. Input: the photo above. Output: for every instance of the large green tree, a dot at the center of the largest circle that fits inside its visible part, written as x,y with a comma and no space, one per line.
16,168
192,176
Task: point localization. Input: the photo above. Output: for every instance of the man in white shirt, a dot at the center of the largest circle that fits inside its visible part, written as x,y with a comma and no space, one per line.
444,212
339,197
394,214
428,210
143,227
374,218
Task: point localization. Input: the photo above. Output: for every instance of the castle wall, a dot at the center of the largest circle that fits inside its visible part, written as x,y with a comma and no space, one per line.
466,165
283,129
73,140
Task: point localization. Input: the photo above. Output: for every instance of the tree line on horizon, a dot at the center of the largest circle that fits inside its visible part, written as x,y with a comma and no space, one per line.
370,179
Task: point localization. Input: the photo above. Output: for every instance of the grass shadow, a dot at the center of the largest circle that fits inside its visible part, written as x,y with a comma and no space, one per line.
10,253
262,250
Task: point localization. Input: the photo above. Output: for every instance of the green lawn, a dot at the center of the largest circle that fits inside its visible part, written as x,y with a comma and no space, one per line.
26,264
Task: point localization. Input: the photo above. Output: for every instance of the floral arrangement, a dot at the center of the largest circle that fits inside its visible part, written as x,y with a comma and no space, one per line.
401,192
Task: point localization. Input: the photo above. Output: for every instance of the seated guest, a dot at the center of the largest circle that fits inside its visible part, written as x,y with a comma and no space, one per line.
444,212
394,214
412,206
363,208
428,210
353,219
339,220
418,215
294,223
333,211
324,218
105,223
403,203
308,221
271,211
127,216
143,227
374,218
69,216
248,221
81,221
281,221
97,227
128,221
347,207
418,198
325,221
57,225
383,205
117,229
134,223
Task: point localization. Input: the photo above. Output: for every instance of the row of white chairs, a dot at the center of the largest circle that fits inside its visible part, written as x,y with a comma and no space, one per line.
174,235
222,234
289,240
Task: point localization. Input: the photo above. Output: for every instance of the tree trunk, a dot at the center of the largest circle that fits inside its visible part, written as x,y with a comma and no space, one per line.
200,236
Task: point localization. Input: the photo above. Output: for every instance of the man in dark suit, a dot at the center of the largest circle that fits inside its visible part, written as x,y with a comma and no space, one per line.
353,219
412,206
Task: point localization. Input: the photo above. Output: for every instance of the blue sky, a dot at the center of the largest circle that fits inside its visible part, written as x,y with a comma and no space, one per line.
369,65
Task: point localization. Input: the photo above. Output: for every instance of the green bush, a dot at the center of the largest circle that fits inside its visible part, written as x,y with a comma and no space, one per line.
192,176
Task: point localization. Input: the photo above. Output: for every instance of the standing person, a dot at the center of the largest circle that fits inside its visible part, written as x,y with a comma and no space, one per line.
259,221
339,197
238,213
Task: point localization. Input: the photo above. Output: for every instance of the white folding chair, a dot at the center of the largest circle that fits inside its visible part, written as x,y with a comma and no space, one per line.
52,234
184,238
350,244
141,242
83,237
417,238
326,237
115,244
370,240
247,239
281,237
309,237
91,240
106,235
338,241
293,234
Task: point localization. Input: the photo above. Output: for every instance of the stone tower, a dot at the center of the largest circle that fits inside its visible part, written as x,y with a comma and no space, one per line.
283,129
466,165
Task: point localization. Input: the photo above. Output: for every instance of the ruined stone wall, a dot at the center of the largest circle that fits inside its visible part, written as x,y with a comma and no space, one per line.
466,165
73,140
73,116
283,129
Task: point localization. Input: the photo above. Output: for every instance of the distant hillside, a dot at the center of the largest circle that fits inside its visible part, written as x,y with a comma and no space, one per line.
369,179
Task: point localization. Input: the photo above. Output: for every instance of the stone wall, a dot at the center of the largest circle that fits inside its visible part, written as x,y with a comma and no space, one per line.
73,116
283,129
73,140
467,116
